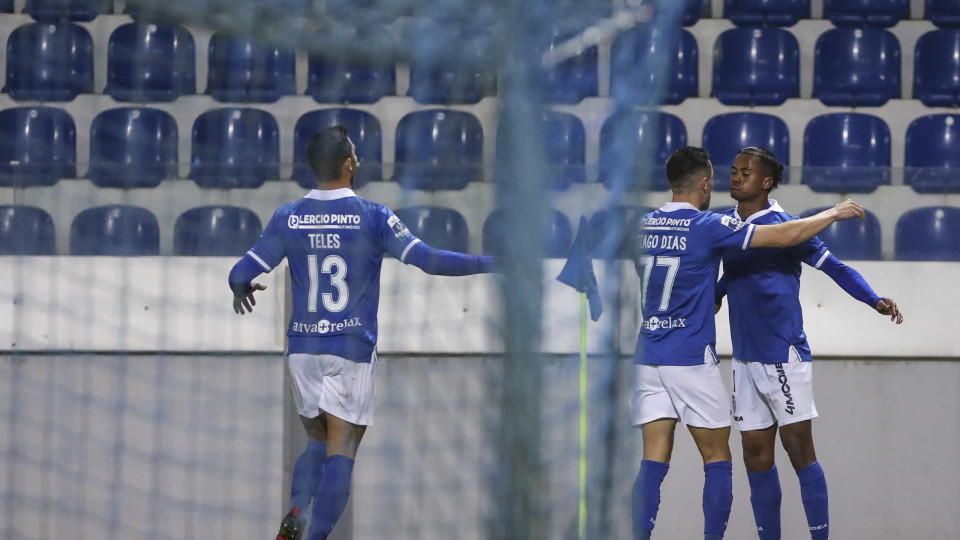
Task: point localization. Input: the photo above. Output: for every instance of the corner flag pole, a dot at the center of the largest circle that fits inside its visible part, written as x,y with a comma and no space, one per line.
583,418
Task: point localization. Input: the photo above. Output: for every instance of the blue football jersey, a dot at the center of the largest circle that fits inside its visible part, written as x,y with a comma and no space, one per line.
678,262
763,291
334,242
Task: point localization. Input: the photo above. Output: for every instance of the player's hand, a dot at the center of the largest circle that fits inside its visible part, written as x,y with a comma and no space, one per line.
849,209
247,300
717,306
886,306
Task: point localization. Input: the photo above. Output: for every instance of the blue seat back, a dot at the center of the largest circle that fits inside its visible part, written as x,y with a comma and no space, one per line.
364,130
441,228
880,13
725,135
242,70
859,144
766,12
115,230
856,67
564,145
557,234
629,84
150,62
852,239
235,147
49,62
438,149
216,231
572,79
622,164
74,10
337,80
932,160
936,68
132,147
691,12
6,6
943,13
613,232
928,234
441,75
37,146
25,230
756,66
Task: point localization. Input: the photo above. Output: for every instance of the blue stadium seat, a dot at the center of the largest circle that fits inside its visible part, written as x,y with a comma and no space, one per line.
364,130
756,66
74,10
117,230
852,239
564,149
241,70
25,230
628,85
441,228
943,13
38,146
928,234
856,67
846,153
936,68
621,165
766,12
235,147
150,62
932,160
692,11
882,13
574,78
465,74
335,80
557,234
132,147
6,6
725,135
49,62
613,232
215,231
438,149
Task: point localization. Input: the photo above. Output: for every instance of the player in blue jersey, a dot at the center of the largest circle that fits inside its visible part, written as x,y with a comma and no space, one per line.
676,377
772,372
334,243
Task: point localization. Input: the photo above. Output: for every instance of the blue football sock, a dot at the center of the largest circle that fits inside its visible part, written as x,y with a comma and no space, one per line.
646,497
332,495
307,472
813,492
717,498
765,496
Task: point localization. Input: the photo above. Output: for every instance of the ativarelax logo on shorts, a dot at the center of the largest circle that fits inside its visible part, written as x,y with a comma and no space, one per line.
656,323
399,229
731,222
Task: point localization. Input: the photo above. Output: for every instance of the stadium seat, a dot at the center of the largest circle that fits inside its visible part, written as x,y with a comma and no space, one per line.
235,148
25,230
613,232
438,149
846,153
766,12
333,80
936,63
49,62
725,135
668,134
465,74
6,6
564,149
215,231
557,234
692,11
37,146
932,160
574,78
928,234
132,147
756,66
150,62
852,239
882,13
241,70
943,13
629,86
441,228
856,67
74,10
364,130
117,230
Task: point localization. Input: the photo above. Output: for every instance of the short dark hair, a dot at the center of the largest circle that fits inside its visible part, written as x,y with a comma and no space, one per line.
326,152
769,161
684,163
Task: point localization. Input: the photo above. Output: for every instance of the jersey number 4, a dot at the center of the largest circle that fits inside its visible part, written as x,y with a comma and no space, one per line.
336,268
647,263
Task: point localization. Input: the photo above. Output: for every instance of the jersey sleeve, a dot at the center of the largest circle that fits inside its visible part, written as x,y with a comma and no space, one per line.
392,235
269,250
728,232
813,252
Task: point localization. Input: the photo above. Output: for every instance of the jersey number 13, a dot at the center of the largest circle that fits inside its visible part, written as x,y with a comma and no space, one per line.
336,268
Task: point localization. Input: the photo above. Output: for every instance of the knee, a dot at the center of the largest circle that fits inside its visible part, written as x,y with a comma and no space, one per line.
800,450
757,457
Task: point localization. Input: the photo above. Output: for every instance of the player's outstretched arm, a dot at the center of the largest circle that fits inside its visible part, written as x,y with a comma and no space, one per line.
852,283
241,277
886,306
439,262
796,231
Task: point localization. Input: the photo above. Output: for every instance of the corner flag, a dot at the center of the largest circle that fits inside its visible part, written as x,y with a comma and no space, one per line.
578,272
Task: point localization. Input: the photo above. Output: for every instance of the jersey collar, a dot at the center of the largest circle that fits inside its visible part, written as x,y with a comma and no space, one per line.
330,194
674,206
774,207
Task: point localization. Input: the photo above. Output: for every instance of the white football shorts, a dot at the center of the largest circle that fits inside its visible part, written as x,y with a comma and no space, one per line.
334,385
693,394
764,394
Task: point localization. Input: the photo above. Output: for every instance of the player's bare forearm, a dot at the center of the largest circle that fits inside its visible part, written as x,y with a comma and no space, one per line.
797,231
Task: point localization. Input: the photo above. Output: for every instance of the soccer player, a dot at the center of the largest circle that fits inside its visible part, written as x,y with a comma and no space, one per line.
676,376
334,242
772,372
